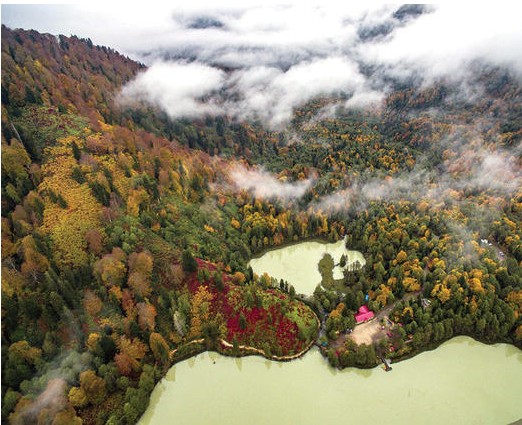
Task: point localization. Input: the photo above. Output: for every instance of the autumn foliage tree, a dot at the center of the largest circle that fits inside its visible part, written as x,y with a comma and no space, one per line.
146,316
140,272
200,311
91,390
131,351
94,240
34,262
111,269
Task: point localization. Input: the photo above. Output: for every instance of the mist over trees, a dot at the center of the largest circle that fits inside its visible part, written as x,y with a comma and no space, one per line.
127,228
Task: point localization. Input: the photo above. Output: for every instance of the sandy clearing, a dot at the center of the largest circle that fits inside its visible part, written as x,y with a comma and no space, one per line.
367,333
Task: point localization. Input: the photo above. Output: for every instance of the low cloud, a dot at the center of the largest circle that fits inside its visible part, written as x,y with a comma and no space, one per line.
50,386
279,57
364,99
497,171
265,185
257,93
360,193
272,57
272,95
52,399
470,164
180,89
475,170
443,42
276,58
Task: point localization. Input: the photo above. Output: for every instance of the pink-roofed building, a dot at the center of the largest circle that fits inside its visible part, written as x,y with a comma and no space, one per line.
364,314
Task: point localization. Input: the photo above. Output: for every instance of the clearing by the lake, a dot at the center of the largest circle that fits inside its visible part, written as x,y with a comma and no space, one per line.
368,332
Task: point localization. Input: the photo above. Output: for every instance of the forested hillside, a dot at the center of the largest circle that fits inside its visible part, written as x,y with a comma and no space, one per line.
126,234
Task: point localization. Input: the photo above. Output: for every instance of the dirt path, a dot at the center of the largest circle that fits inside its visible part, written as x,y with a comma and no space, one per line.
262,352
371,332
255,350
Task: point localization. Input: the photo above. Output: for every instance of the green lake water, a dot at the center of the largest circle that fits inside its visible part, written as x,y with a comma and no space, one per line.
461,382
298,263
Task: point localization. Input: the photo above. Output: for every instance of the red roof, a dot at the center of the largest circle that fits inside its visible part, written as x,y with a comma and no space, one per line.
364,314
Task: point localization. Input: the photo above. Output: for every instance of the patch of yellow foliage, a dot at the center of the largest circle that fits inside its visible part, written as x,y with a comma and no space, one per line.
442,292
200,311
135,199
67,226
12,281
407,310
338,311
514,298
209,229
92,340
383,294
411,284
119,180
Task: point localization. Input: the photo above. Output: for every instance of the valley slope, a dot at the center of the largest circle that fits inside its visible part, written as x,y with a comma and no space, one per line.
126,235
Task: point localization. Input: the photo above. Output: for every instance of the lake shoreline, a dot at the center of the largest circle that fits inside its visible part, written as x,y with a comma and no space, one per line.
288,244
435,345
256,381
225,347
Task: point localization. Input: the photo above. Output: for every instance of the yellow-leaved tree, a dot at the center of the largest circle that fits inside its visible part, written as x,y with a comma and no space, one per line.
200,310
442,292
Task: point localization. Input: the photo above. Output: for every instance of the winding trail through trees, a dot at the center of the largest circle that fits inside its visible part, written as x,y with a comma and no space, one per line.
254,350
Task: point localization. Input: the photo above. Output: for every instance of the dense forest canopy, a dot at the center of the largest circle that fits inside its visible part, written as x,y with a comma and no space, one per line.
127,225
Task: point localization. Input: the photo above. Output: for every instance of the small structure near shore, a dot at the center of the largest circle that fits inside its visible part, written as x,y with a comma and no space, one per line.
386,364
364,314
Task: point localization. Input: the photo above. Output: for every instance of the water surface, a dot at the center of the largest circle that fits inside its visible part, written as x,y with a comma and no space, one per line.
461,382
297,263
